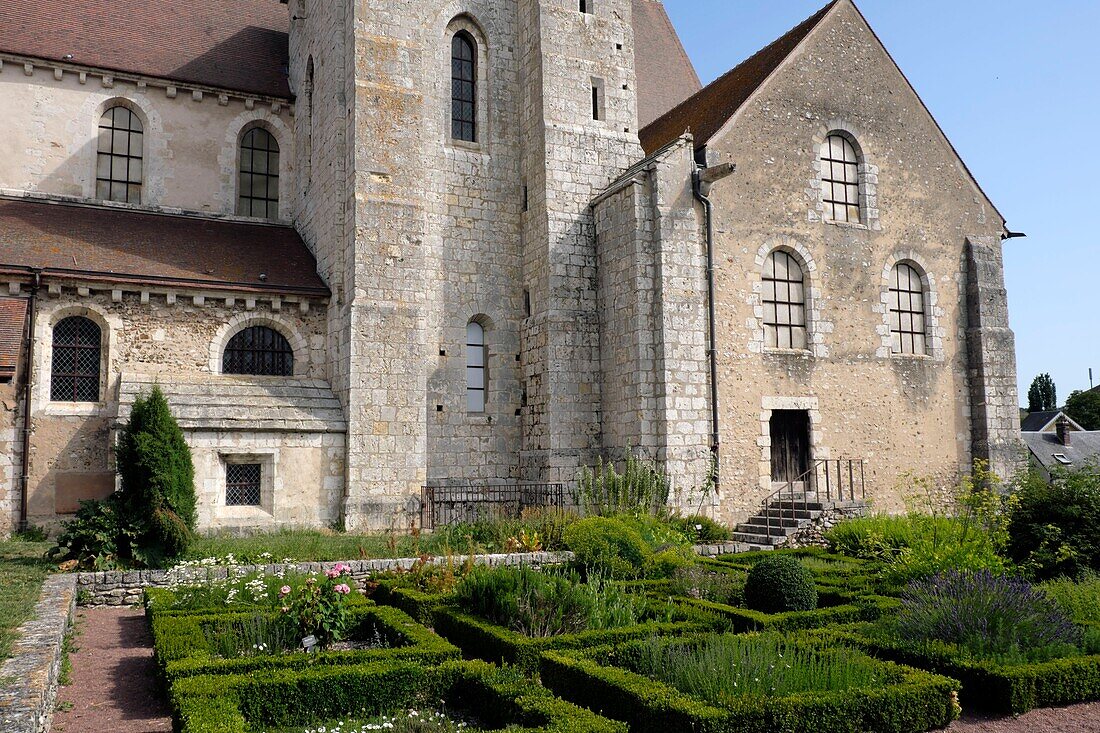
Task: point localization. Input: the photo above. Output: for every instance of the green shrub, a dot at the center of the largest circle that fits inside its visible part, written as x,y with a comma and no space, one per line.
94,536
539,604
701,529
778,584
1079,599
1054,528
696,581
608,546
641,488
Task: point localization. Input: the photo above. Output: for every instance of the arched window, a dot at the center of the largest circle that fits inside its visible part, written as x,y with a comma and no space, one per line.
477,375
258,192
463,87
840,180
907,318
258,350
118,163
308,157
77,350
784,301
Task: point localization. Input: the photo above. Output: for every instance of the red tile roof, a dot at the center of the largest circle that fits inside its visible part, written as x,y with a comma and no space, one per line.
665,76
704,113
232,44
13,312
98,243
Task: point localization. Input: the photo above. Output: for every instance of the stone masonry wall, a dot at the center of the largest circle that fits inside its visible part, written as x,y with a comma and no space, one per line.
903,414
11,449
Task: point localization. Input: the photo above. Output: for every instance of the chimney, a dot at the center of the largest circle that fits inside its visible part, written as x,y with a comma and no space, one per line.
1063,430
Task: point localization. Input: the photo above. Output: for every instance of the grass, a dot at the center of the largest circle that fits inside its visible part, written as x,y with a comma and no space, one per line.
723,668
23,569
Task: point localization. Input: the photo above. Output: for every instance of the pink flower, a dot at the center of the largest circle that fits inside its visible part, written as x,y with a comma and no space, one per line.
342,589
331,574
284,591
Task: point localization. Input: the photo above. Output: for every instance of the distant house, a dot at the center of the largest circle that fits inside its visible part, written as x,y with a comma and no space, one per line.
1046,422
1060,443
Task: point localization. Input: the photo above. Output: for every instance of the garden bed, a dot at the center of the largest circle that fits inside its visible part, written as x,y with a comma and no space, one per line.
615,682
270,699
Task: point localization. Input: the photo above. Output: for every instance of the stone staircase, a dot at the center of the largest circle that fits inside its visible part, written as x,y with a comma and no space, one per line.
780,519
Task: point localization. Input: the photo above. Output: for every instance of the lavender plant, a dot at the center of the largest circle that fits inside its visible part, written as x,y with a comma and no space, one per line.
987,615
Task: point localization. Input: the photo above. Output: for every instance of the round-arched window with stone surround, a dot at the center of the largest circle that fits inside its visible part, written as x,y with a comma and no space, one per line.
258,174
463,87
120,155
908,318
840,161
258,351
784,301
76,364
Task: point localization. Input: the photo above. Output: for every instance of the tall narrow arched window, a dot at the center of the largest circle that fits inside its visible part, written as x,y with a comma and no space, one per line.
908,325
118,173
308,157
463,87
840,180
784,300
258,190
260,351
477,373
76,364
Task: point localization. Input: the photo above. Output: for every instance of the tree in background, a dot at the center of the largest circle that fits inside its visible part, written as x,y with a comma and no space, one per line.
1043,396
1084,407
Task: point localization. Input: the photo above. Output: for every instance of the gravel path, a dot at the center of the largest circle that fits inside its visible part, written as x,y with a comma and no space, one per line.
114,680
1074,719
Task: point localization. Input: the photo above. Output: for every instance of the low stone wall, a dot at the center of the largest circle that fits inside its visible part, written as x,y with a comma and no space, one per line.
28,679
714,549
124,588
813,535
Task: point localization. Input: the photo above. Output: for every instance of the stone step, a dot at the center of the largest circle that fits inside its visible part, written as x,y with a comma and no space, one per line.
776,521
797,505
763,529
759,540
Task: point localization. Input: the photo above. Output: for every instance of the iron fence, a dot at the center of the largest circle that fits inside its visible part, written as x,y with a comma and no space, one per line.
444,505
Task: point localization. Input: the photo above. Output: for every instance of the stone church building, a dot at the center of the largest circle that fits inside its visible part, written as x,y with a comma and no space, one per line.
366,247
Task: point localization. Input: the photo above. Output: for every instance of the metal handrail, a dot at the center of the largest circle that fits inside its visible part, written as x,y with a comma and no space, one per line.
834,469
448,504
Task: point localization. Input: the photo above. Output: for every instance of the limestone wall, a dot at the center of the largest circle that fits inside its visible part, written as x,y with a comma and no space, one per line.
191,141
11,450
902,413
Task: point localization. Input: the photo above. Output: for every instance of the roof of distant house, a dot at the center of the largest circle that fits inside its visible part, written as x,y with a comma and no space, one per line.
1037,422
1083,448
119,245
232,44
13,313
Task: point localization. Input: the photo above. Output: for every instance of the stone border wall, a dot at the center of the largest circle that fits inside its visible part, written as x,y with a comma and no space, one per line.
124,588
29,678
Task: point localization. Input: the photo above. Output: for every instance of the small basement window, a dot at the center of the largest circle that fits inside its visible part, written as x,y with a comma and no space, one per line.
242,484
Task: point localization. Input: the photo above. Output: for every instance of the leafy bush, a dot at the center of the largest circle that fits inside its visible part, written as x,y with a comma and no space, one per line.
989,616
1054,528
540,604
723,668
707,585
641,488
700,529
778,584
608,546
92,539
1080,600
319,608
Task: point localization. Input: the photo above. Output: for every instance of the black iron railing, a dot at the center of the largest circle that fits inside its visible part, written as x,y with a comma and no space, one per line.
444,505
827,482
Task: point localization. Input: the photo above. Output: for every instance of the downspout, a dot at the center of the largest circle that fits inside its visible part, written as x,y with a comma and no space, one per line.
28,385
702,179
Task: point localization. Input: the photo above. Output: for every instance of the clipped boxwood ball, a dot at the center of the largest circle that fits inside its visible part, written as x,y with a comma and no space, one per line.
780,583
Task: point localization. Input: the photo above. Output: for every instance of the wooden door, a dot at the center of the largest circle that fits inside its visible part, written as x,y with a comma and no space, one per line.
790,431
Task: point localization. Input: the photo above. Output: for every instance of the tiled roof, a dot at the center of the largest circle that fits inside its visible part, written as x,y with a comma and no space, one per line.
665,76
99,243
1037,422
231,44
705,112
1083,447
13,312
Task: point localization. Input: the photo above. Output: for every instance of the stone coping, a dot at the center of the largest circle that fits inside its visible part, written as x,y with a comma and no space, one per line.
29,678
125,587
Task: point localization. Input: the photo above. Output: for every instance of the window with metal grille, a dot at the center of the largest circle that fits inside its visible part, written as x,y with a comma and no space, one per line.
840,180
119,160
258,350
907,318
258,191
476,373
784,299
463,87
77,347
242,484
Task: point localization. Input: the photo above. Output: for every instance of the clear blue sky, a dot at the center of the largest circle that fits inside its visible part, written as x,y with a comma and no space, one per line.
1016,86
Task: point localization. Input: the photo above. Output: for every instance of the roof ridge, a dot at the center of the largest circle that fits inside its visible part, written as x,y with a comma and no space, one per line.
799,32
